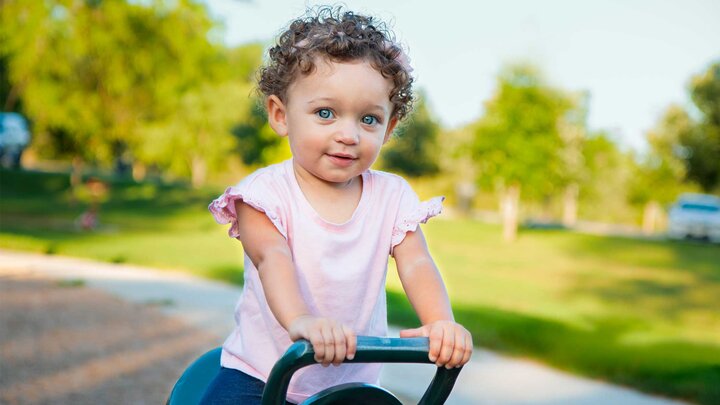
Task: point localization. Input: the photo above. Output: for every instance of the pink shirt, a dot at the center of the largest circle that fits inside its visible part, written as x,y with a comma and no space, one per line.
341,268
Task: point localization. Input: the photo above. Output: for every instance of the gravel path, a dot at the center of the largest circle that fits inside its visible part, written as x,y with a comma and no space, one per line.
64,343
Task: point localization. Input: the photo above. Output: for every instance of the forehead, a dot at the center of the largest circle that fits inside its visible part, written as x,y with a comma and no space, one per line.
353,80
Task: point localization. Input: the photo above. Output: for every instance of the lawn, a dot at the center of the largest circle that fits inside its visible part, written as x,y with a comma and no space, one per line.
639,313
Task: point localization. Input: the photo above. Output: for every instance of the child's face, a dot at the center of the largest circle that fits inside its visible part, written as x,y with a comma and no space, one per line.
336,118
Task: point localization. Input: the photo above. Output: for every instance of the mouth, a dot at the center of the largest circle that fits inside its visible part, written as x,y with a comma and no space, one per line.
342,156
343,160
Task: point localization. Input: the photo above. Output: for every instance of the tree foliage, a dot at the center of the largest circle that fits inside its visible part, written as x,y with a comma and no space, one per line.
520,145
196,138
257,143
414,150
113,78
703,143
518,140
102,66
606,173
684,153
660,174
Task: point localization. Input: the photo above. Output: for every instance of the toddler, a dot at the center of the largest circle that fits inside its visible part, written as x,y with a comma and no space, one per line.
317,230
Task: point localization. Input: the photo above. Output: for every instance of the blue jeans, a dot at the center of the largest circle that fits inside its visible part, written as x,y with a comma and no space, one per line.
233,387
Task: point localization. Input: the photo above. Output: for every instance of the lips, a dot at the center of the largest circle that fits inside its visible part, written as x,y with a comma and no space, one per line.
342,155
341,159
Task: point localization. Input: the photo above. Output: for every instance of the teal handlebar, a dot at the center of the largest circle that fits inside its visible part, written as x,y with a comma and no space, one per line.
369,350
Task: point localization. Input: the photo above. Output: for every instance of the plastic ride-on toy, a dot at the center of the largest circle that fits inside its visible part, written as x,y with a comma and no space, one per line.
191,386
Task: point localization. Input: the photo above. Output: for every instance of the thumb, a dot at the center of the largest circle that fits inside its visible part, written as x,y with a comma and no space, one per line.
417,332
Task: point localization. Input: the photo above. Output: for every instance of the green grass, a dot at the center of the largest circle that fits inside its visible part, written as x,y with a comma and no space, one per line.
640,313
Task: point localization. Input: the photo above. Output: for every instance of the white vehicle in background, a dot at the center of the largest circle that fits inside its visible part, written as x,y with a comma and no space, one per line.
695,216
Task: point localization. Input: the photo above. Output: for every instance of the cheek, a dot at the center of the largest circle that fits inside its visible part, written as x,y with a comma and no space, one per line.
374,143
303,142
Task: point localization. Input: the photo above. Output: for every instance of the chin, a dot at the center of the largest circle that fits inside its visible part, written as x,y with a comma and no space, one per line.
338,179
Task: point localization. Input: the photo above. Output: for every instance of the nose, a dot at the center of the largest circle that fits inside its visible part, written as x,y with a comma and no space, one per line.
348,134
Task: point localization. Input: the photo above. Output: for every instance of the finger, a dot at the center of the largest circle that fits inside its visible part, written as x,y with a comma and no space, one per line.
417,332
468,349
329,346
340,349
458,350
318,345
436,338
448,343
351,341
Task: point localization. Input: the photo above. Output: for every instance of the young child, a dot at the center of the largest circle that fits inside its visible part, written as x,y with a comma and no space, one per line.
317,229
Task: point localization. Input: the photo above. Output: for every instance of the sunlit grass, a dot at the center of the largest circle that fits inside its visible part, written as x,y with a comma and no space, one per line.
641,313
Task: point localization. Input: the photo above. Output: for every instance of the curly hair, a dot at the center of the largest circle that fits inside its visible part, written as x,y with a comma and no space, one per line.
339,36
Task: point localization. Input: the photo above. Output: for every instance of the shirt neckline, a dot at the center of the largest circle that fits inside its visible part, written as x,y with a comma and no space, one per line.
359,209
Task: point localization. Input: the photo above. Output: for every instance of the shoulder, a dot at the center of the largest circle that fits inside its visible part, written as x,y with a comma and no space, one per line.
391,189
266,190
275,173
388,181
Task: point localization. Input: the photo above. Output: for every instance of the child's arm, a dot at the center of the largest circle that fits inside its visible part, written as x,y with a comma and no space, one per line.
270,253
450,343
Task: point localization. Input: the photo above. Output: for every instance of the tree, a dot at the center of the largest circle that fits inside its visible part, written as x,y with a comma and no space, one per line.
243,62
413,151
604,178
659,177
703,144
96,71
23,26
573,128
257,143
518,142
458,166
194,135
196,138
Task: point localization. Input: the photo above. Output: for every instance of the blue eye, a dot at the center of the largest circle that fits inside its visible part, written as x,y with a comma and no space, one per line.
369,120
324,113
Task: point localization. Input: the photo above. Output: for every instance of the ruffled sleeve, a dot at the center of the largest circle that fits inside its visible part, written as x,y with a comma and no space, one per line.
254,192
413,212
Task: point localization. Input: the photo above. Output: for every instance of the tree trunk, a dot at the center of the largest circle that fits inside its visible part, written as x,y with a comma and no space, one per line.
139,171
570,205
510,205
465,192
651,216
12,98
199,171
75,178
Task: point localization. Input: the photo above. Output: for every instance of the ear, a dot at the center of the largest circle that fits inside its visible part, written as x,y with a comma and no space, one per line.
391,126
277,116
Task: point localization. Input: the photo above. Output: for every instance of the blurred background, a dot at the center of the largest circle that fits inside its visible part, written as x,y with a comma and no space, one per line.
578,146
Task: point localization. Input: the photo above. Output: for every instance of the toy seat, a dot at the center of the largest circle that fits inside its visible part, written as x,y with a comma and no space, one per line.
189,389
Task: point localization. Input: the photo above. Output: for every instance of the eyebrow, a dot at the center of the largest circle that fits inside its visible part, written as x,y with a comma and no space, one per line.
331,99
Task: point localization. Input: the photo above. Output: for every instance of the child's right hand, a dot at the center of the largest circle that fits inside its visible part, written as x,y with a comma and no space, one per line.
332,341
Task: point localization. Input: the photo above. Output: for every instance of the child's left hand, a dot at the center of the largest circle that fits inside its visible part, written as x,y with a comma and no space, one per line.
450,343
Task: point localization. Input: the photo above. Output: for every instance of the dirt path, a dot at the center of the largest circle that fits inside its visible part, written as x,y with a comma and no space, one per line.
64,343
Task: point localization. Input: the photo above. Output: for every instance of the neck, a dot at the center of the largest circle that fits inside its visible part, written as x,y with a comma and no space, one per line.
307,180
334,202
